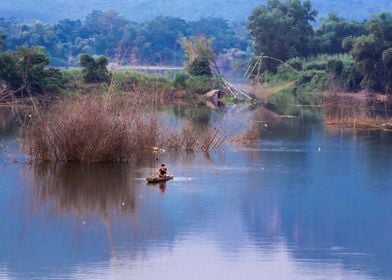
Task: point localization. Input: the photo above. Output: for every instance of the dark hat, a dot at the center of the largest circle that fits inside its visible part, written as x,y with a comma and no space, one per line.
162,164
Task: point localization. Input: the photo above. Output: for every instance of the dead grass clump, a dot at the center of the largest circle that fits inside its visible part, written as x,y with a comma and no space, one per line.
90,129
354,113
248,137
107,128
362,123
191,139
337,107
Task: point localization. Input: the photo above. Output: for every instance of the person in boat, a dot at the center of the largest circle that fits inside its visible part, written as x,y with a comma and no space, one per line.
162,171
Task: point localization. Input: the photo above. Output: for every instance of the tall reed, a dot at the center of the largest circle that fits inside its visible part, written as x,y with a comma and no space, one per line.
90,128
98,128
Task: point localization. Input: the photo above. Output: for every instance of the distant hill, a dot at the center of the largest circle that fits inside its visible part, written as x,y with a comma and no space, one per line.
141,10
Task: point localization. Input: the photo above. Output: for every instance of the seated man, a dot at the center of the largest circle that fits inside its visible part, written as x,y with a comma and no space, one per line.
162,171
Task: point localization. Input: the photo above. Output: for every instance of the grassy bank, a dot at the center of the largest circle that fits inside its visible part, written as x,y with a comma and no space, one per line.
125,81
306,82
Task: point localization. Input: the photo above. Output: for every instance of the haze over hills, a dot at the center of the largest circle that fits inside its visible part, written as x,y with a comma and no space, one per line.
141,10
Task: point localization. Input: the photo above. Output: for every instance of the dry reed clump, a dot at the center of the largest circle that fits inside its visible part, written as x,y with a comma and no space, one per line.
336,107
248,137
353,113
190,139
107,128
251,135
362,123
90,129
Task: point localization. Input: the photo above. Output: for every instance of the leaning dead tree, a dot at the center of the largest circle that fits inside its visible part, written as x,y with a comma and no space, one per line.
201,47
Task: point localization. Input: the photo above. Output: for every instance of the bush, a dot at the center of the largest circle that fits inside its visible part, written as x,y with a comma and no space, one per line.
179,81
311,81
315,65
297,63
198,84
283,74
350,78
95,70
335,67
200,66
54,81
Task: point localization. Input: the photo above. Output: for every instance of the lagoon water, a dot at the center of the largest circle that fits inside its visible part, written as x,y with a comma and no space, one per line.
304,203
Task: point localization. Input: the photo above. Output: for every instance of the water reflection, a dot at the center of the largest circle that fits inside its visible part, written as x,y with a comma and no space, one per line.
84,189
283,209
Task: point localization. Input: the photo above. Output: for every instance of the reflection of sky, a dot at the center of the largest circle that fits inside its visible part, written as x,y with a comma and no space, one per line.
209,262
283,210
199,258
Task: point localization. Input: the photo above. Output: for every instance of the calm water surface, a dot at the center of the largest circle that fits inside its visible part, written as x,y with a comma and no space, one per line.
305,203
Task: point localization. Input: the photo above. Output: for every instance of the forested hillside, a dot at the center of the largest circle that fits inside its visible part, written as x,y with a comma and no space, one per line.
142,10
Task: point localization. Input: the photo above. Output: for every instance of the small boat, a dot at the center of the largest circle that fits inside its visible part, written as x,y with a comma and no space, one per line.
156,179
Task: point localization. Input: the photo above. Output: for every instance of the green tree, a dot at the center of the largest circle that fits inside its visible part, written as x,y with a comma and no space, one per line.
8,72
367,53
199,56
30,64
371,53
200,66
95,70
158,40
333,30
3,46
282,30
25,71
387,61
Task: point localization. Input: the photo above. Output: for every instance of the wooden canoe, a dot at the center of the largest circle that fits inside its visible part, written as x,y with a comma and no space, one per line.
156,179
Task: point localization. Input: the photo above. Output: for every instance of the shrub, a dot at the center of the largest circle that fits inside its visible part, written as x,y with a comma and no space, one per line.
350,78
315,65
283,74
297,63
95,70
180,79
198,84
200,66
335,67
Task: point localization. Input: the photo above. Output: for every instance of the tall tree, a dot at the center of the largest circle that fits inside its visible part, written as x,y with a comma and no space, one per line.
333,30
372,53
282,30
2,41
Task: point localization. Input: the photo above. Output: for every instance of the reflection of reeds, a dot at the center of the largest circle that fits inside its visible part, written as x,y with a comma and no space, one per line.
84,189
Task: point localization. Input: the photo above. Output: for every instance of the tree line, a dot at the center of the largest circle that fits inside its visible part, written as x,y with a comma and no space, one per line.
360,52
284,31
107,33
